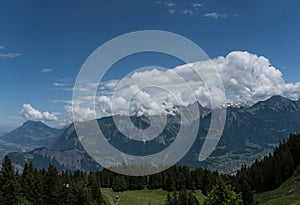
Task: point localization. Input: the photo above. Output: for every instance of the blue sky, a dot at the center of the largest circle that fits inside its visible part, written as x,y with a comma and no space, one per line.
43,44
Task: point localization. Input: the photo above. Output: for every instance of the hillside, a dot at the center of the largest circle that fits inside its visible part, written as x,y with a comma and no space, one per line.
33,133
287,193
250,133
278,171
141,197
29,136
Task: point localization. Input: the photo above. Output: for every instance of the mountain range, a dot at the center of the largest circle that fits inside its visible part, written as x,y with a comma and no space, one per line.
31,135
249,134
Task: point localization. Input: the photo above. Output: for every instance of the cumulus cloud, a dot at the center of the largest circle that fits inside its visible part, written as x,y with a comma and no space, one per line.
246,77
249,77
80,113
31,113
215,15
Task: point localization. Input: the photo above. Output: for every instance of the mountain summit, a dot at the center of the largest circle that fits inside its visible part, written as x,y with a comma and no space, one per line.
31,135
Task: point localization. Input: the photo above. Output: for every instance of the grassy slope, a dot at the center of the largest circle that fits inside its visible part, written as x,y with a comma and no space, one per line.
287,194
142,197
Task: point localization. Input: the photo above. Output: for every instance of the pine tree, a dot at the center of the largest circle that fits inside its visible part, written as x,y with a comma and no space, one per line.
9,185
52,186
136,182
155,181
106,178
95,189
181,183
183,198
38,188
27,182
247,193
294,146
84,196
67,193
170,184
189,184
198,178
208,181
119,183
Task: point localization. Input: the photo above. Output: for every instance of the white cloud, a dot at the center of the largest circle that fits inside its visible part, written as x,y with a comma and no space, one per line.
9,55
215,15
246,77
46,70
166,3
59,84
33,114
62,101
80,113
188,11
184,8
5,54
172,11
171,4
197,5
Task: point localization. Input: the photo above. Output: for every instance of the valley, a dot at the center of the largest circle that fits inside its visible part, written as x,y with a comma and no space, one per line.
250,133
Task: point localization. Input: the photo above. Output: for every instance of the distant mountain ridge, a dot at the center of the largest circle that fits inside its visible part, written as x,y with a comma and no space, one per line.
249,133
34,133
70,159
31,135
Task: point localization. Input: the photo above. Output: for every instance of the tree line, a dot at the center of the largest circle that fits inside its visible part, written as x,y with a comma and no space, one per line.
47,187
34,186
270,172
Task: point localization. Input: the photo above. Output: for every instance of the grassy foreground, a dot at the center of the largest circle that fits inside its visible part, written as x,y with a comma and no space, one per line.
287,194
140,197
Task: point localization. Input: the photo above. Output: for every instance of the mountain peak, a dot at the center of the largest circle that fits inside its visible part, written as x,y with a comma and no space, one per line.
31,135
277,98
32,122
279,101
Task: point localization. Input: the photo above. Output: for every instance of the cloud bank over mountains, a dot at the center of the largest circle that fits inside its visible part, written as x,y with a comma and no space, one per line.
246,78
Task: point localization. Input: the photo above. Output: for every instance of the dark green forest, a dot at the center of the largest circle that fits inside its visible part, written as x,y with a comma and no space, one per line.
34,186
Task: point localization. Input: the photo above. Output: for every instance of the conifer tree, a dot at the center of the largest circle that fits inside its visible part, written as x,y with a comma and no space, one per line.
52,186
119,183
95,189
155,181
9,185
27,182
136,182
